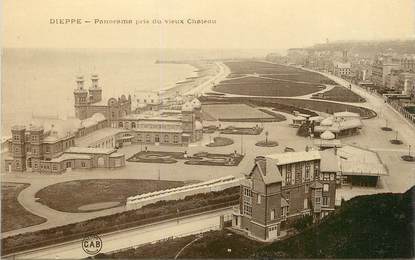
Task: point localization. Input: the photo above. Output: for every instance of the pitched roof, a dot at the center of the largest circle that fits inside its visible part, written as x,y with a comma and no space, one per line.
269,171
316,185
330,162
292,157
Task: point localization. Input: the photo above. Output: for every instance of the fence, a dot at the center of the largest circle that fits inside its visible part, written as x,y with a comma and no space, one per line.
401,109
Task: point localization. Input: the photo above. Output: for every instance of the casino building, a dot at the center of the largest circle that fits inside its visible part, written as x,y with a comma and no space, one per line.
89,102
91,138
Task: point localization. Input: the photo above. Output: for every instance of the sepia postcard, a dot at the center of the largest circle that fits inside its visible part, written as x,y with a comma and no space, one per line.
220,129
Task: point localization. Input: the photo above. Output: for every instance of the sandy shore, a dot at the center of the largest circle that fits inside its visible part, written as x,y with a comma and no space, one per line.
205,70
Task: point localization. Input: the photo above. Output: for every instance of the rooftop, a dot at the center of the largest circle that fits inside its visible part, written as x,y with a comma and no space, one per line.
85,150
96,136
269,171
293,157
67,156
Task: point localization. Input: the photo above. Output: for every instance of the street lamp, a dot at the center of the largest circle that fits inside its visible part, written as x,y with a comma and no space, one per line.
409,150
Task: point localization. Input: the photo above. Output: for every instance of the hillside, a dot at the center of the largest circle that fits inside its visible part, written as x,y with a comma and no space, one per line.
376,226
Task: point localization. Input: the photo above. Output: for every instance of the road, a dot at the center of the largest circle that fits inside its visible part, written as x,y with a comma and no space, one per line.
132,237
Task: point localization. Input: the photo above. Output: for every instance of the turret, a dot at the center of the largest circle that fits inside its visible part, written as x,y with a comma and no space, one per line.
19,148
81,96
36,139
95,92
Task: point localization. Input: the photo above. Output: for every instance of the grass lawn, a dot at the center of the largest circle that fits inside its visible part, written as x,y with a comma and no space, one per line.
224,112
268,143
13,215
156,157
220,141
70,196
341,94
254,86
327,107
267,79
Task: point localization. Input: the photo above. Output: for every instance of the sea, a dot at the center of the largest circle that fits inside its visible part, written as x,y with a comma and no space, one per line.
40,82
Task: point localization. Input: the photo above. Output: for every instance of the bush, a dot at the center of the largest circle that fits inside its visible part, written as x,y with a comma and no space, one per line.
303,222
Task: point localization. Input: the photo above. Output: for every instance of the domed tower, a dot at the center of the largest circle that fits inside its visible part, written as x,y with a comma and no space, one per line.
95,92
36,140
188,120
197,106
81,96
19,148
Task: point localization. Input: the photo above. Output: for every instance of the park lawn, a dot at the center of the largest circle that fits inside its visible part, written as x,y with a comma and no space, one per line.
220,141
13,215
253,86
69,196
341,94
233,111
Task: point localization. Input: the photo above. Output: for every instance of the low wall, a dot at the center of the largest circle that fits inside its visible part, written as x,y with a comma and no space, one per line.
136,202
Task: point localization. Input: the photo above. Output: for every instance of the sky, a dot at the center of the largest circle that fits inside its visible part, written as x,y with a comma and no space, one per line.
240,24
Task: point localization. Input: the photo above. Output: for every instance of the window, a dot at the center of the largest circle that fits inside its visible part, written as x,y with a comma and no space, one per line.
306,188
307,171
148,138
112,114
317,171
247,192
318,200
166,138
139,137
176,139
48,148
288,175
325,201
33,138
332,176
326,176
120,124
247,209
325,187
259,199
288,195
16,138
273,214
133,125
157,138
54,167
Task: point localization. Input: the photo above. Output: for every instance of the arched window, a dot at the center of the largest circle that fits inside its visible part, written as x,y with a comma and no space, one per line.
166,138
148,138
120,124
133,125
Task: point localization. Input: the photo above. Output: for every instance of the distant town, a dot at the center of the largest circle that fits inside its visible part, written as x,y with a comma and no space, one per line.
283,156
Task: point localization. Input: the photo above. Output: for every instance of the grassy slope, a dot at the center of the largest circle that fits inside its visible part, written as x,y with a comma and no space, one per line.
69,196
14,216
376,226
